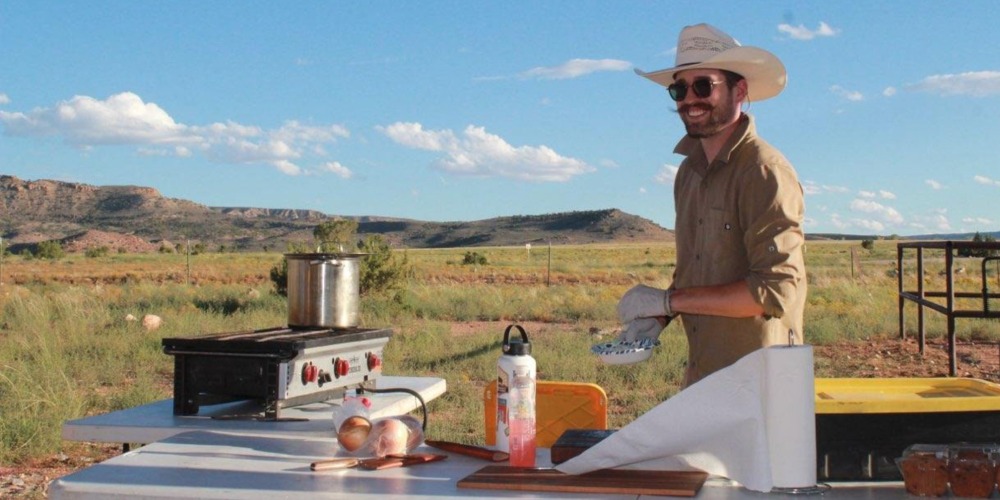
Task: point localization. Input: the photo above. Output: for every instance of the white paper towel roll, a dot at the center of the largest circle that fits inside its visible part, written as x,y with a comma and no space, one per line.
753,422
790,415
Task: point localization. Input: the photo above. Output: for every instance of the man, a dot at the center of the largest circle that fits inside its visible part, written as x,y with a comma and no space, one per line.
740,280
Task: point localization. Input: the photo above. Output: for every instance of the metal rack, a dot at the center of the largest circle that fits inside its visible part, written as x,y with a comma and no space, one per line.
923,297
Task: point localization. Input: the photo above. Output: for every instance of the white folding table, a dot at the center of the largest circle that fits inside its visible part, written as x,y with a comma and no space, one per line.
223,465
155,421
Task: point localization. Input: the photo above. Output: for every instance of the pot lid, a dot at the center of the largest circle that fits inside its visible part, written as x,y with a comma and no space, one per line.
324,256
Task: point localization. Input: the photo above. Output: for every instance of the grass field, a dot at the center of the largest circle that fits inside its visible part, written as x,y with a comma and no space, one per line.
67,349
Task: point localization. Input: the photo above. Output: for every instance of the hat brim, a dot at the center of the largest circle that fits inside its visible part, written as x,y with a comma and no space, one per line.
765,74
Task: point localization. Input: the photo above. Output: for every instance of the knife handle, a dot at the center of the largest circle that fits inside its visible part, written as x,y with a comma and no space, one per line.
381,463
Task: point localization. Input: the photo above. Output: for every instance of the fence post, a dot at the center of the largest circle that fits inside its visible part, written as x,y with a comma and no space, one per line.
548,272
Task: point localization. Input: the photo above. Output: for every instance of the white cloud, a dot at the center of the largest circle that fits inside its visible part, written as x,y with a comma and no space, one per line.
575,68
883,194
936,221
414,136
935,185
800,32
982,179
667,175
177,151
887,214
337,169
973,83
981,221
287,167
850,95
606,163
84,121
871,225
125,120
480,153
4,99
889,91
812,188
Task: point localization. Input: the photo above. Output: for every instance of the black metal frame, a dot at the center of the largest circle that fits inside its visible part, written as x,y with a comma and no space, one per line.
920,296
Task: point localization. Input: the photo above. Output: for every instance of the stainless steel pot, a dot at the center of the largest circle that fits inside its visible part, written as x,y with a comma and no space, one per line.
323,290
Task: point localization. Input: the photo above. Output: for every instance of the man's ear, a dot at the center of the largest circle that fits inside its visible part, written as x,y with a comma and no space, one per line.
742,91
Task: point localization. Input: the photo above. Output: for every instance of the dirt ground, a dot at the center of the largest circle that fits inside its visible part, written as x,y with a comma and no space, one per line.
877,358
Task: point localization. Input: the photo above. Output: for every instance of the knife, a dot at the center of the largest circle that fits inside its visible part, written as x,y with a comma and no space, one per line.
387,462
469,450
337,463
391,461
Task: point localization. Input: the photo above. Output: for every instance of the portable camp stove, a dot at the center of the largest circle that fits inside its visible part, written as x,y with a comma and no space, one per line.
279,367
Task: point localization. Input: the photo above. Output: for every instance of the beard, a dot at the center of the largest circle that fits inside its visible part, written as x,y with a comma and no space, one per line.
719,117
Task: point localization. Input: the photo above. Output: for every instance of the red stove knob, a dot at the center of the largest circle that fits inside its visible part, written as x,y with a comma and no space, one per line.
374,362
341,367
310,373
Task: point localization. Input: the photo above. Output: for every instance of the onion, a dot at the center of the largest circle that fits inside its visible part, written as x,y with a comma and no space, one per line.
353,432
389,436
416,431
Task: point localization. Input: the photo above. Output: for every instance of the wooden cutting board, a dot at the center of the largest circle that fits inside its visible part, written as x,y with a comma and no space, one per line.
622,481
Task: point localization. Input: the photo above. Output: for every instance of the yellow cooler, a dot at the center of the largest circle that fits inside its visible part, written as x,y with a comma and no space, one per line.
863,425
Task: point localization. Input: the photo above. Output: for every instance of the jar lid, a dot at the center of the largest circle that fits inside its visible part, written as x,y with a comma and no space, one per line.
517,348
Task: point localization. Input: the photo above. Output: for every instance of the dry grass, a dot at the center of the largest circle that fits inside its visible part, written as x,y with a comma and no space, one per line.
62,319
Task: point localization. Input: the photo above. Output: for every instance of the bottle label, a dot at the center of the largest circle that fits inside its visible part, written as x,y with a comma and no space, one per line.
523,396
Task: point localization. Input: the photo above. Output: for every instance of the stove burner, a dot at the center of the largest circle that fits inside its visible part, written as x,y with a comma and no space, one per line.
281,367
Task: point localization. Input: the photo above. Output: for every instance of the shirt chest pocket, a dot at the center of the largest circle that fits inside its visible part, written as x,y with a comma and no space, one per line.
722,240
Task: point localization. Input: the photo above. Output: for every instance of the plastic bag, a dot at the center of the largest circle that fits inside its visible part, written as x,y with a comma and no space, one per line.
353,406
392,436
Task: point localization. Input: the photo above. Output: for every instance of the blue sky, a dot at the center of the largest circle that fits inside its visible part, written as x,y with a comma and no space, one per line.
466,110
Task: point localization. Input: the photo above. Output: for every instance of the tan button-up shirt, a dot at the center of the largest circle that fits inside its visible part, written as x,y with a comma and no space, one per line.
739,218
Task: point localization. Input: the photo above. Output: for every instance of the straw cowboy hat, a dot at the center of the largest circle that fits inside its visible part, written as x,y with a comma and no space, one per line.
704,46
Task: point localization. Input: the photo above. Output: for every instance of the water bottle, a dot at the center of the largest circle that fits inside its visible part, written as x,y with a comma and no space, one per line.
516,400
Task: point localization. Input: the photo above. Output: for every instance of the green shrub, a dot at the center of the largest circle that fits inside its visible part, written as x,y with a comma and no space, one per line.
335,235
381,271
101,251
474,258
51,249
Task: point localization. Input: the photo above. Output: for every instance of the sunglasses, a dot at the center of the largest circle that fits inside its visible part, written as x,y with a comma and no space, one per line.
702,88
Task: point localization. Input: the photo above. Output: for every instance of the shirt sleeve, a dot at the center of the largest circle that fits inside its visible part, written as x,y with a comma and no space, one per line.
772,208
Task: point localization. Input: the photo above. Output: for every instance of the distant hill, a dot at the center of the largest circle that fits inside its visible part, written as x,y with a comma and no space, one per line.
915,237
139,218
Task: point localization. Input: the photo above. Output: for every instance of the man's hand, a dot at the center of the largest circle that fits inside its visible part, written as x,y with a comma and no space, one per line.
643,301
642,328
